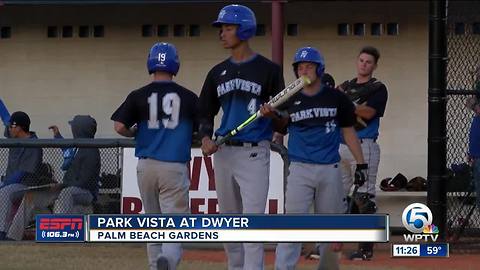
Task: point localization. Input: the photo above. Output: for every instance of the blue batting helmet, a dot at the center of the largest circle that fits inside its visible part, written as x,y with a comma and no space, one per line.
163,57
309,54
241,16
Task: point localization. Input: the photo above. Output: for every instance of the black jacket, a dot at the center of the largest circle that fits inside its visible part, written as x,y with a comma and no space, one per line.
85,167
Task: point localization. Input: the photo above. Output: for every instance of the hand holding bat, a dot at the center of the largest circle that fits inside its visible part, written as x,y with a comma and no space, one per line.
276,101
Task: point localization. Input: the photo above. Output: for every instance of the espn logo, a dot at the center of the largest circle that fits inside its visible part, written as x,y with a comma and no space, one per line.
61,223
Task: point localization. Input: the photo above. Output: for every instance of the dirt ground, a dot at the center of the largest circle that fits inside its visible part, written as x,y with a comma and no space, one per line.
30,255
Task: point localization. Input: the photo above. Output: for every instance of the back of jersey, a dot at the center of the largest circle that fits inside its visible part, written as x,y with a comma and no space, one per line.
165,116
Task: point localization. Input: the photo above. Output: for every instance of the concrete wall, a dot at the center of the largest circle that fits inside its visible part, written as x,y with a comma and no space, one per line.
55,78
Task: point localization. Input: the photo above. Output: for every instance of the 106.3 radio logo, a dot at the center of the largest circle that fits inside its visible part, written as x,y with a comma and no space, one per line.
417,218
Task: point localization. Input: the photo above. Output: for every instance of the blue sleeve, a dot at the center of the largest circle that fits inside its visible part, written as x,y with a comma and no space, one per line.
68,154
208,106
378,101
127,113
4,114
15,178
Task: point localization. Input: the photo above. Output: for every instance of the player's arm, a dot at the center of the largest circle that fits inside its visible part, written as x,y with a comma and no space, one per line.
365,112
125,117
208,107
280,118
196,139
122,129
279,125
351,140
346,120
375,105
346,115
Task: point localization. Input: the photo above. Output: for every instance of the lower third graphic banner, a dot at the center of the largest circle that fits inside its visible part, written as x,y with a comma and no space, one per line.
213,228
238,228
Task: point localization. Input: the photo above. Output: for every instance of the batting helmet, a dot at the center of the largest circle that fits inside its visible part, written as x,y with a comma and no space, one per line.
309,54
163,57
238,15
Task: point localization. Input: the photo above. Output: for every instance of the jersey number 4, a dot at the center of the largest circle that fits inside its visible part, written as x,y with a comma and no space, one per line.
171,108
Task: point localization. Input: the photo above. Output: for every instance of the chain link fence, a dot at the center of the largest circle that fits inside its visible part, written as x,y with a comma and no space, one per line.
463,77
44,191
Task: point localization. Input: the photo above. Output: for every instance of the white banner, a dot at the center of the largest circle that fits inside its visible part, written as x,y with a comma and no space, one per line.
222,235
203,198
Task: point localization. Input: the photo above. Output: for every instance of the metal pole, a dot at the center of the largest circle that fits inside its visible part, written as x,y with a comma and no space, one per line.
277,32
437,135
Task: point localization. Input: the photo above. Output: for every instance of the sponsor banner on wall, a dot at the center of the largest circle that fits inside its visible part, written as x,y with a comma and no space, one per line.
203,198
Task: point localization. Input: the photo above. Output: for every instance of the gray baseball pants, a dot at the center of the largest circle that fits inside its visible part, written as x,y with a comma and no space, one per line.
241,181
164,190
371,154
308,184
65,201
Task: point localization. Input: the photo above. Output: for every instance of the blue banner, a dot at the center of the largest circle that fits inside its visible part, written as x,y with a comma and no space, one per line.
218,222
434,250
60,228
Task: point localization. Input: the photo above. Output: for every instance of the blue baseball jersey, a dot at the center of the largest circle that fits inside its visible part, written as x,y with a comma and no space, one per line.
315,125
378,101
239,89
165,114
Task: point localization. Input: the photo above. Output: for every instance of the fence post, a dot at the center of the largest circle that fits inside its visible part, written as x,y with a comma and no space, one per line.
437,139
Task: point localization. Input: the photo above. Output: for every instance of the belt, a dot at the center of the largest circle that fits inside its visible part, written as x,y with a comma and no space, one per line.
364,140
239,143
367,139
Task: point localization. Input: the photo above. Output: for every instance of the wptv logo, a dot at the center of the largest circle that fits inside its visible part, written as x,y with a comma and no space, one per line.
417,218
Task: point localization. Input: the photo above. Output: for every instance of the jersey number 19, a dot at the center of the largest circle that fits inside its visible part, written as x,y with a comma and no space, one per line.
170,106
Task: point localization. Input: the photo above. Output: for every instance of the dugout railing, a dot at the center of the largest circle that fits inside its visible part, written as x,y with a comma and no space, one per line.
109,180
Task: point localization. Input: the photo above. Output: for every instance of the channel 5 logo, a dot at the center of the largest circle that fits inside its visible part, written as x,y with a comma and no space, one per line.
417,218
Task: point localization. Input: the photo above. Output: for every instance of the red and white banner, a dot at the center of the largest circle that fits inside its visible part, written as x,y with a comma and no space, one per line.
203,198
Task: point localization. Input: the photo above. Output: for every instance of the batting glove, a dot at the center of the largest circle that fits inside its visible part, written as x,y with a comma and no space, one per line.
360,174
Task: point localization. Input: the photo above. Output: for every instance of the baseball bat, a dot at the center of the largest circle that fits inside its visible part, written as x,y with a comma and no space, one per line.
352,199
276,101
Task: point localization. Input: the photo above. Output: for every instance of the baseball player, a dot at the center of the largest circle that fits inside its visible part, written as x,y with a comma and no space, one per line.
370,96
161,117
318,116
239,85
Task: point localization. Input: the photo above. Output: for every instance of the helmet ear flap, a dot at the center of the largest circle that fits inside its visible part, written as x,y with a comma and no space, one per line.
295,69
320,70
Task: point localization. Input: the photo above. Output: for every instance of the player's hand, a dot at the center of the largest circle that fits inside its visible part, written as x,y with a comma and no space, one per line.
208,146
268,111
55,130
133,129
278,138
360,174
